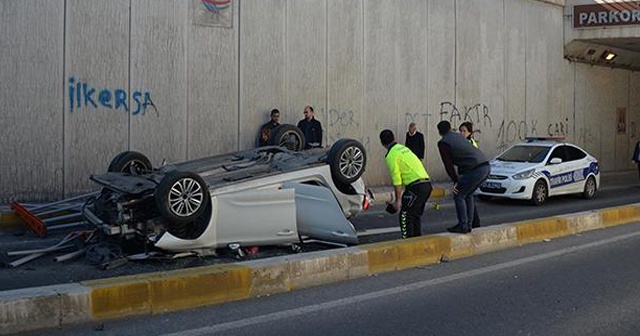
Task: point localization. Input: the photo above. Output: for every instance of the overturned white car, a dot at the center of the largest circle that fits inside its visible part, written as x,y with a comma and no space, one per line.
264,196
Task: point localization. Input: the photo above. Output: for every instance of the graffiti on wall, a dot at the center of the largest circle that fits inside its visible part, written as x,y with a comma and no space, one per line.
343,122
559,128
81,94
478,114
342,118
586,137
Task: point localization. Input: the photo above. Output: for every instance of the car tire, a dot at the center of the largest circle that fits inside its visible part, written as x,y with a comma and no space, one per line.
181,198
130,162
288,136
347,160
590,188
540,193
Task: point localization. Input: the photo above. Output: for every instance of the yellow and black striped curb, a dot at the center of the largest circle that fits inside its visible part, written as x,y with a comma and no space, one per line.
154,293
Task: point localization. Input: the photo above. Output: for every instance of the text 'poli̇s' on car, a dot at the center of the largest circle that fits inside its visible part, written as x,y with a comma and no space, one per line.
541,167
270,195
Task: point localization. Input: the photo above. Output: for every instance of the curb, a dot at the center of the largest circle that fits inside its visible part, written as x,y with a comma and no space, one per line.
154,293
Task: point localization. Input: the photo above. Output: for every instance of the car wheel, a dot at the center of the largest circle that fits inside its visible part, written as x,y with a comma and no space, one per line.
540,193
288,136
484,198
130,162
589,188
347,159
181,198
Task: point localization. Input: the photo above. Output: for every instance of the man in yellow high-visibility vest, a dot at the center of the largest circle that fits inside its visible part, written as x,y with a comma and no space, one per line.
412,187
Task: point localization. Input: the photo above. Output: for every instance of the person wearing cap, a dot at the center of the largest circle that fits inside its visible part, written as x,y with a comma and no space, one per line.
411,184
473,168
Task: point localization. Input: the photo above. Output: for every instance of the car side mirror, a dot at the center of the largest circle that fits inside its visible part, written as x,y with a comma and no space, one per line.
555,160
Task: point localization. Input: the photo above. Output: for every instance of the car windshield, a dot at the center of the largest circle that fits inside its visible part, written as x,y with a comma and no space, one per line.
525,154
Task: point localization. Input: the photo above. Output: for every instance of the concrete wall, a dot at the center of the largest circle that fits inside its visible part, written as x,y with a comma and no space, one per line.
32,118
159,84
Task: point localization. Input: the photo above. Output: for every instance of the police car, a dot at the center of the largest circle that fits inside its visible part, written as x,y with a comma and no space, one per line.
539,168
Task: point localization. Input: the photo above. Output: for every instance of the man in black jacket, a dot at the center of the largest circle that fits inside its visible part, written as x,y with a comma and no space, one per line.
473,168
311,128
414,140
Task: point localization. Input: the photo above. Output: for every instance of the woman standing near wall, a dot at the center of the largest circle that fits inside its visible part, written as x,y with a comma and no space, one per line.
466,129
636,156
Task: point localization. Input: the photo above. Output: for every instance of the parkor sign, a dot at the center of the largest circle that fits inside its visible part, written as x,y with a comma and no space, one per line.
607,14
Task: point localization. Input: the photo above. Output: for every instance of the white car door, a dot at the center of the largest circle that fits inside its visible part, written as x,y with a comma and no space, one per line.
319,215
580,168
250,217
559,173
255,217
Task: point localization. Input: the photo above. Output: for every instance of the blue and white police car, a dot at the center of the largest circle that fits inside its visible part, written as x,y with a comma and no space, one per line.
541,167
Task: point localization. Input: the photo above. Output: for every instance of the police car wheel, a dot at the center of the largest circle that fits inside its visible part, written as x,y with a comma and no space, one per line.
540,193
589,188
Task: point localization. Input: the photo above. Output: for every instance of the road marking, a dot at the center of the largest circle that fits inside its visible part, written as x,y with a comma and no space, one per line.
392,291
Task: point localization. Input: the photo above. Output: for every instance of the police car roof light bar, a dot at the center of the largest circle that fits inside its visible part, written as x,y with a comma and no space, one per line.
545,138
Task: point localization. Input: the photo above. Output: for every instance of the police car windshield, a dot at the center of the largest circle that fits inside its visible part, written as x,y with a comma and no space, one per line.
525,154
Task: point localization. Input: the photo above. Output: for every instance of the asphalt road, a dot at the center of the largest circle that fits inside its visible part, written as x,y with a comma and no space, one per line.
374,225
578,285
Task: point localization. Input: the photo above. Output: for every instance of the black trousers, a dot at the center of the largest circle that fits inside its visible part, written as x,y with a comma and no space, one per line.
414,198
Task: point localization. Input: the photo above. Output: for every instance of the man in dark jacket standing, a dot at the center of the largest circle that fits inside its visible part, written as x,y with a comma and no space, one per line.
414,140
636,156
473,168
311,128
